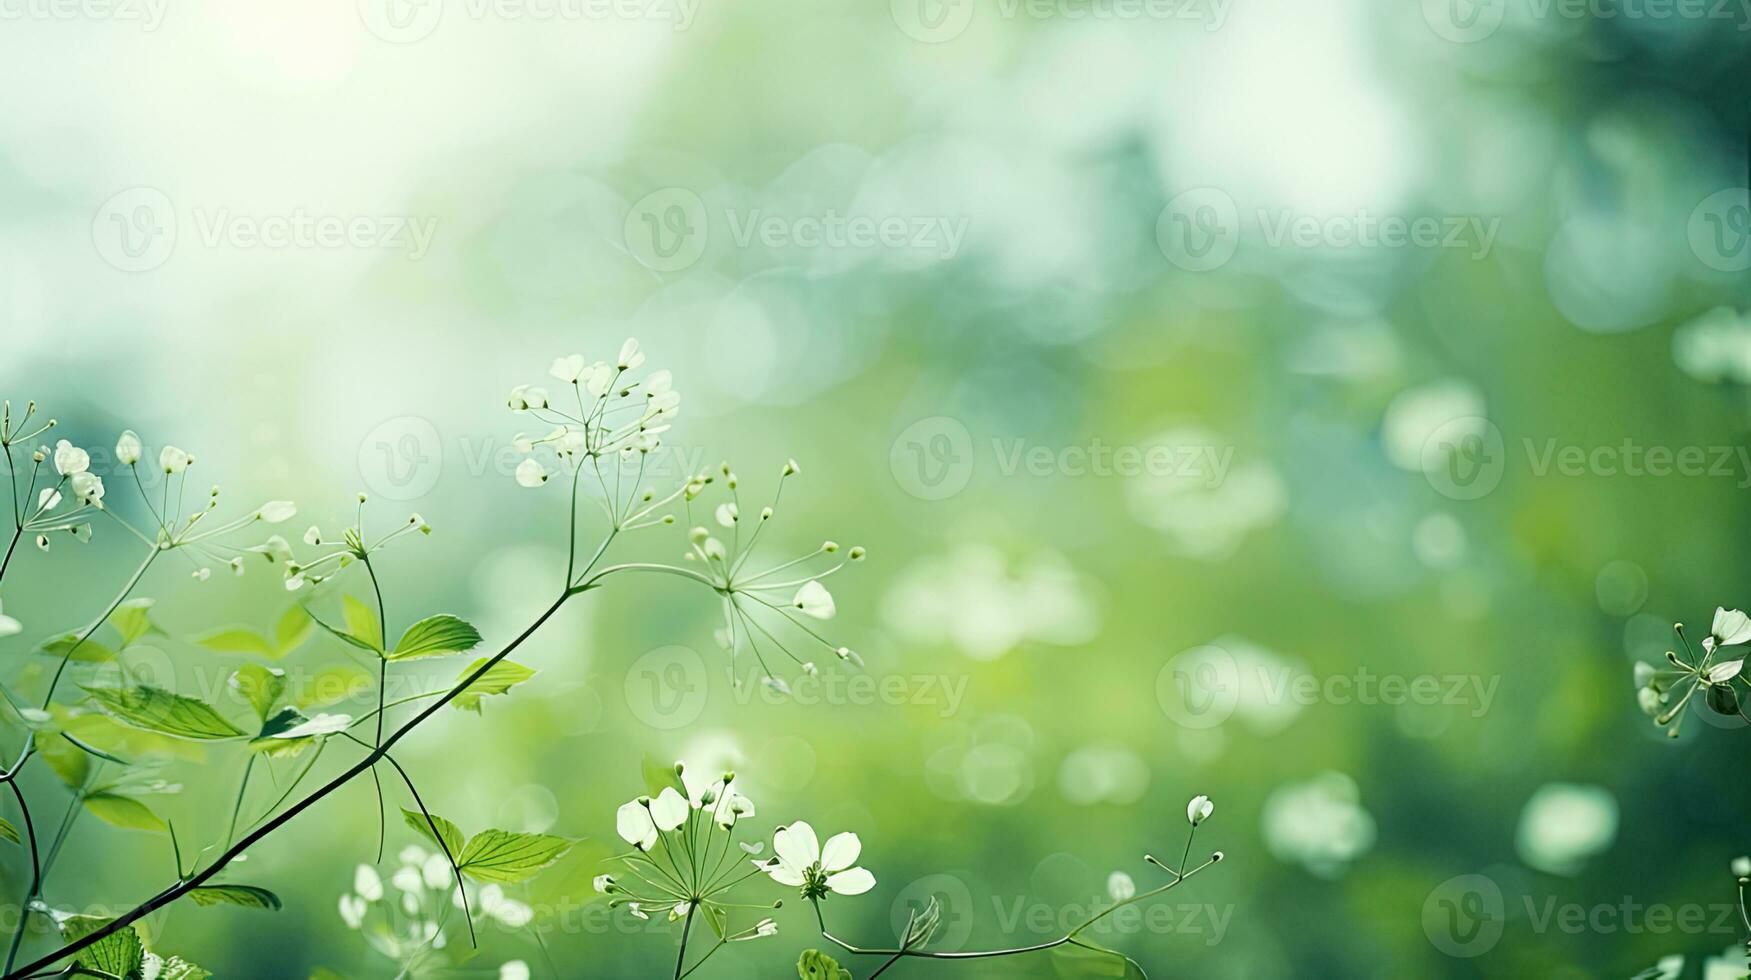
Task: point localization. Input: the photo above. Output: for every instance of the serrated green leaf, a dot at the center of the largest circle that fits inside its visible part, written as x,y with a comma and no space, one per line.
247,896
292,630
362,622
816,965
341,634
260,686
506,857
90,651
133,619
124,812
452,834
157,710
289,732
237,640
499,679
118,954
436,636
8,831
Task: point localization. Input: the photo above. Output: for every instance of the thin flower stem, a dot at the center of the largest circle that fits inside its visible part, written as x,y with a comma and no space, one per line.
97,624
242,789
36,876
686,927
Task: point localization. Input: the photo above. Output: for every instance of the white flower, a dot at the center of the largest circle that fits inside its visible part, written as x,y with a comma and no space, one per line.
352,911
70,459
313,537
727,514
1199,809
88,487
277,511
408,879
367,883
1731,627
8,625
630,355
602,883
514,970
1121,887
569,368
601,376
814,600
128,448
174,460
801,862
531,473
49,499
526,397
1742,867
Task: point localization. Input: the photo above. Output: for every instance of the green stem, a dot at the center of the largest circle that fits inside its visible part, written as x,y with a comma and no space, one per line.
120,598
686,927
36,877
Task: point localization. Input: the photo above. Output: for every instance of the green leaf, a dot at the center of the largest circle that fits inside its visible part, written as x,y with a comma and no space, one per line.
659,776
68,645
124,812
247,896
118,954
8,831
293,629
133,619
1080,959
237,640
452,834
436,636
157,710
507,858
260,686
341,634
816,965
362,622
175,968
499,679
290,733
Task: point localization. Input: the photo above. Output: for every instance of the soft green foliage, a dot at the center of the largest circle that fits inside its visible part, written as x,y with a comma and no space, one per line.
436,636
119,954
247,896
498,679
491,855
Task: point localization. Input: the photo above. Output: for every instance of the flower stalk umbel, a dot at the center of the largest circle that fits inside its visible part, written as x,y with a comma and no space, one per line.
685,861
1714,672
604,446
922,923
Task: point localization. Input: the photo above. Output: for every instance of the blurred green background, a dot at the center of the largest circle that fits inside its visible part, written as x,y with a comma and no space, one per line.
1385,304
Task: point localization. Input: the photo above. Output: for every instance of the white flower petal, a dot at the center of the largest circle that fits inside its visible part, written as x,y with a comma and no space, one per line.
814,600
669,809
1199,809
367,883
128,448
633,822
797,846
853,882
70,459
530,473
1731,627
840,852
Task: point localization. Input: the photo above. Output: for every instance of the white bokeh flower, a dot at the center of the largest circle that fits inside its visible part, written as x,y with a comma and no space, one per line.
1199,809
8,625
367,884
128,448
277,511
813,599
173,460
70,459
530,473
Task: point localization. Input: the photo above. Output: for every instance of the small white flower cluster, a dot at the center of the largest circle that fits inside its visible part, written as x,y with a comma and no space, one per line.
1713,672
353,545
615,414
404,920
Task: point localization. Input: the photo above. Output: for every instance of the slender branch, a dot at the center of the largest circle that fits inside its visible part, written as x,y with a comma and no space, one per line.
120,598
36,876
686,927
